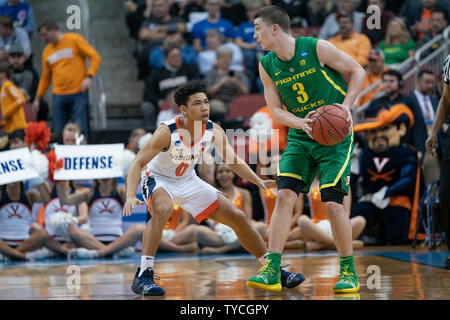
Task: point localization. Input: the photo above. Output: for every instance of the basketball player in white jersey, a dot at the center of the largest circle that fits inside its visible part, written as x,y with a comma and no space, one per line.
168,158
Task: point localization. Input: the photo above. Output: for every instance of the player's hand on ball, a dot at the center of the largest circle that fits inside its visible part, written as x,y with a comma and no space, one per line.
305,124
130,204
349,114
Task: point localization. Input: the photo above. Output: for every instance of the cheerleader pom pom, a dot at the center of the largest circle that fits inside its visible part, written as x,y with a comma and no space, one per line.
144,139
261,126
39,162
124,160
59,224
37,133
226,233
53,165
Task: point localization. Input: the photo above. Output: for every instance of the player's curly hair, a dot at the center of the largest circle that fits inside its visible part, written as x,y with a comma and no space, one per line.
183,92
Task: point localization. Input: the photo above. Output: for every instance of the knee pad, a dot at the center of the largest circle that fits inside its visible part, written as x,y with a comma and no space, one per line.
290,183
332,194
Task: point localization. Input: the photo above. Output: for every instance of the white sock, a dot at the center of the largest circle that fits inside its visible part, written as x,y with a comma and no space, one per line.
262,259
146,262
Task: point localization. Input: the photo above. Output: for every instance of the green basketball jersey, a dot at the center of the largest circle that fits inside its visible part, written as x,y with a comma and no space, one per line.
304,85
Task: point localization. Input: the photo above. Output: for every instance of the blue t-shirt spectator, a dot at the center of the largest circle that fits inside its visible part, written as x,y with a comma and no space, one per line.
245,31
22,15
224,26
188,54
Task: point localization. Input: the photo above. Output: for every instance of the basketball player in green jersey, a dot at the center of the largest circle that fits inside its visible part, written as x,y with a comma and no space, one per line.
304,74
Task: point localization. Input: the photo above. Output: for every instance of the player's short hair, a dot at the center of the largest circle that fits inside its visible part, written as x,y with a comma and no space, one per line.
186,90
274,15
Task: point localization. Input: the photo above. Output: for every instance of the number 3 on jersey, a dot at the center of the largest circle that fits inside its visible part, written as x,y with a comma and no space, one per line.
302,95
181,169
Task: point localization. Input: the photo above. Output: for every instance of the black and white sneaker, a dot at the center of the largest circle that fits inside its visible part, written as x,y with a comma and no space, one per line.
145,284
291,279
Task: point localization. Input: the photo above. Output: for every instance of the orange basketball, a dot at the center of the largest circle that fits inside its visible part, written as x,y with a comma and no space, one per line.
329,126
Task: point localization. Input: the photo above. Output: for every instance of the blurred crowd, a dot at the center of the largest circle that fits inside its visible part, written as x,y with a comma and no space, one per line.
180,40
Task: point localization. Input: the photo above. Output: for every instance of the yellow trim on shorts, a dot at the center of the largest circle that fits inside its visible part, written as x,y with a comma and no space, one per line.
292,175
342,169
333,83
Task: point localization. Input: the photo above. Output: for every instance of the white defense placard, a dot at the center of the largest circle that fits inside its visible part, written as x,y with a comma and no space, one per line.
15,166
96,161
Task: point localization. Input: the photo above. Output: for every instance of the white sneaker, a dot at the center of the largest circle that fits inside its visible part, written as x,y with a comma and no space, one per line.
4,258
82,253
124,253
39,254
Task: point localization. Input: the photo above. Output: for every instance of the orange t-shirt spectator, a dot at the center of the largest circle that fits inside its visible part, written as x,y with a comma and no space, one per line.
63,64
375,70
354,44
12,102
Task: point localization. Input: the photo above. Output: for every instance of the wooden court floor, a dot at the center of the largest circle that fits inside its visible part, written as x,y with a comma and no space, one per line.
385,273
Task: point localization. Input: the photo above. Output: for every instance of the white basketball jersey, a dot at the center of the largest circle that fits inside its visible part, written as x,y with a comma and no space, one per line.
54,206
15,221
179,160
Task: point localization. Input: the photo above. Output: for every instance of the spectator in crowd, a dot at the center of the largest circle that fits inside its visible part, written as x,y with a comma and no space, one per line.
353,43
377,34
438,22
9,35
171,109
178,8
207,59
173,74
316,232
153,31
424,97
397,45
390,171
392,85
12,102
174,35
298,26
223,84
133,139
331,26
26,78
245,40
17,139
418,14
375,69
20,237
136,12
108,237
21,12
234,11
72,134
213,21
63,64
193,7
318,11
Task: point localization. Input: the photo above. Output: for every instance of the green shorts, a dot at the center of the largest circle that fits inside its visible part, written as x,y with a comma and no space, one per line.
303,158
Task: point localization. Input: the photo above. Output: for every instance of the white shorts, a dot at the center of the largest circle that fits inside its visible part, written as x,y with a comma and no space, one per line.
325,226
191,193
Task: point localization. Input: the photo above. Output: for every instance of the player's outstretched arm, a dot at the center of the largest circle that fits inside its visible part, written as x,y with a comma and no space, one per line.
158,141
331,56
239,166
274,103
